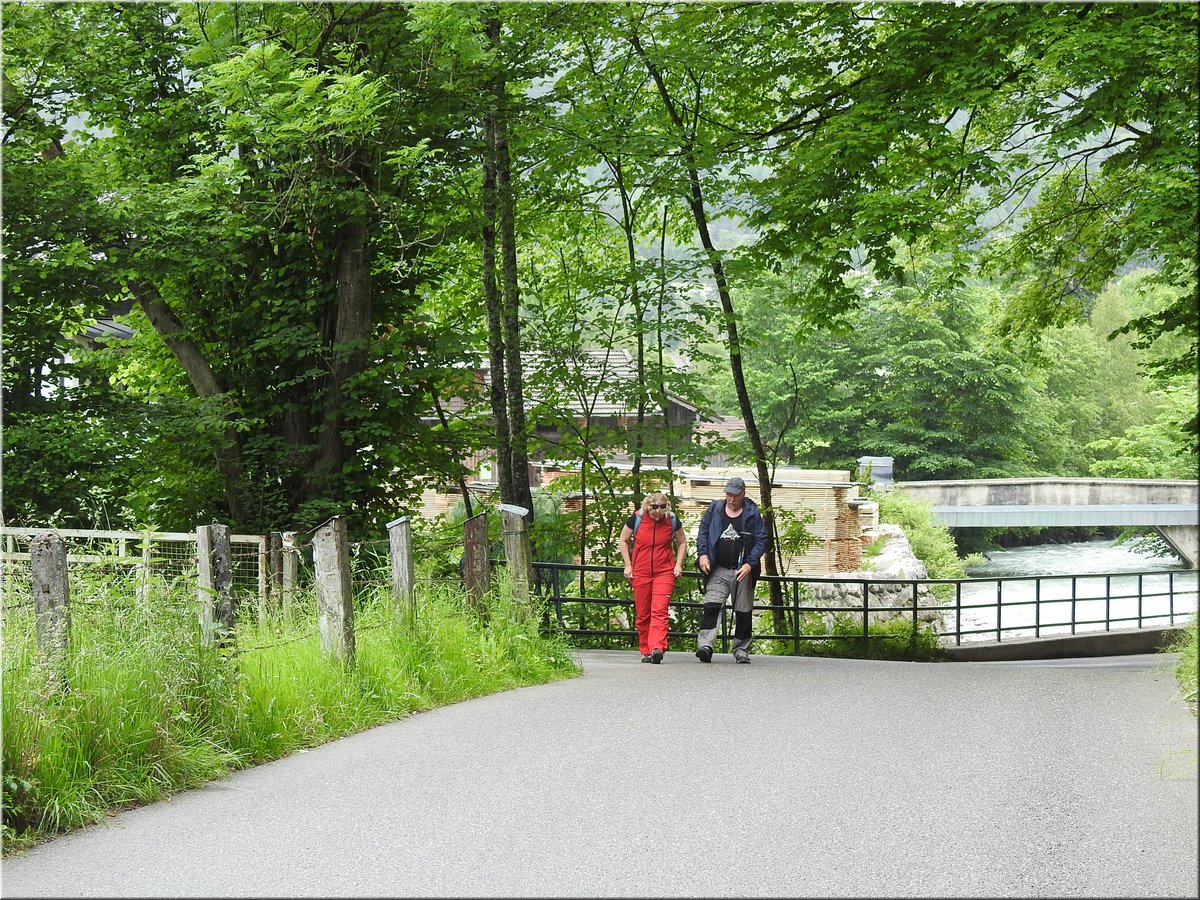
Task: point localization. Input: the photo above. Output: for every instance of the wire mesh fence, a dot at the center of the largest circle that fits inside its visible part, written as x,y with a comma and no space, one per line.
272,585
150,561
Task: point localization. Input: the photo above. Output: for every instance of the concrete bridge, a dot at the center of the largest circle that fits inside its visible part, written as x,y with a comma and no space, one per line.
1170,507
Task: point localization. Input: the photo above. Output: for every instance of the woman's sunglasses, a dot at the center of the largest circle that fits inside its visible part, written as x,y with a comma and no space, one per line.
658,506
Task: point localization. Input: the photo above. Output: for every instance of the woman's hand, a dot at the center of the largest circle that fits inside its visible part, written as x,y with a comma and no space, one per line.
678,570
629,571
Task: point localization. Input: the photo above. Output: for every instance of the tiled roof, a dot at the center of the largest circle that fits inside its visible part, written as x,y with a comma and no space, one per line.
107,328
610,376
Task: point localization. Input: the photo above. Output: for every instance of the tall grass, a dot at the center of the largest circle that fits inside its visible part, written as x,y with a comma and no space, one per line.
1186,668
150,710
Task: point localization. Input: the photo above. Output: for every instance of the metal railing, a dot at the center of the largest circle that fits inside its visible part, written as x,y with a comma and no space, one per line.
971,609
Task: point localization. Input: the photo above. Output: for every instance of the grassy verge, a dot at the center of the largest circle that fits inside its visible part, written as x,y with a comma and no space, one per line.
150,710
1185,669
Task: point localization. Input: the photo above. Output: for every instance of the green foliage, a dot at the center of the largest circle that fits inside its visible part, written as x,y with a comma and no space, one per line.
299,185
261,163
1186,669
871,550
791,532
893,638
931,542
909,373
150,711
1163,448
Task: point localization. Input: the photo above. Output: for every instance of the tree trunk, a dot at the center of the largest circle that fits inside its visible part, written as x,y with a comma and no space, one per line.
351,341
204,381
695,200
510,319
639,439
498,389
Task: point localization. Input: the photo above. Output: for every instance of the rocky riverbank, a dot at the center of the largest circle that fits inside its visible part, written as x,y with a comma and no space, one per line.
892,577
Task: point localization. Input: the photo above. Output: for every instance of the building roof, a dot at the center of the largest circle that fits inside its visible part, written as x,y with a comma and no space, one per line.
104,327
608,377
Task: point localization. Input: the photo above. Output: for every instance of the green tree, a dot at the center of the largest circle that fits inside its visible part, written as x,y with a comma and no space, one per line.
909,374
264,200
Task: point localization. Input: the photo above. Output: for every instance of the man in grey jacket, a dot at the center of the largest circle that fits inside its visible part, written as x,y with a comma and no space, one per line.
729,547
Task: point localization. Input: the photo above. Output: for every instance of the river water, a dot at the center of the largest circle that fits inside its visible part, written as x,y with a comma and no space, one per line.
1088,586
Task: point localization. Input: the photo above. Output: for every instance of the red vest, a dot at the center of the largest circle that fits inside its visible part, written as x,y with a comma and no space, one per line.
653,547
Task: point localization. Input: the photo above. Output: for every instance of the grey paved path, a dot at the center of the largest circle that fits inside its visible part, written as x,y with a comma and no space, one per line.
788,777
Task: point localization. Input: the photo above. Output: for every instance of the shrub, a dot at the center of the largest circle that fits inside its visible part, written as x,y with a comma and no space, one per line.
931,542
895,638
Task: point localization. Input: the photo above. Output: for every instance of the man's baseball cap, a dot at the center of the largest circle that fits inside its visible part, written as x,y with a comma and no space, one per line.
735,485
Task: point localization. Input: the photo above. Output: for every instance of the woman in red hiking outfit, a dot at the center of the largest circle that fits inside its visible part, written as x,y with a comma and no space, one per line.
653,564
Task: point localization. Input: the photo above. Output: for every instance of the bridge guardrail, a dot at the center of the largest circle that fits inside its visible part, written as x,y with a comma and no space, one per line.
971,609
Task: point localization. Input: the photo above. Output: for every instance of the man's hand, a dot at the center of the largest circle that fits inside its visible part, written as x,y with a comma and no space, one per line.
704,564
743,571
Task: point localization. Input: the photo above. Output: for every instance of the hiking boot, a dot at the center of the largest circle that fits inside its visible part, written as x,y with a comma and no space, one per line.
656,656
704,654
741,656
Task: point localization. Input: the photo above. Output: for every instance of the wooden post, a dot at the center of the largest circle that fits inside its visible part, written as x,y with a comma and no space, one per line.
477,567
52,603
400,544
517,549
264,579
291,573
276,583
335,607
215,584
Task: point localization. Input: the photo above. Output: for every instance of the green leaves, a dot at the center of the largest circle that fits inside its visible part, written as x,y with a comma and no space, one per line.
256,165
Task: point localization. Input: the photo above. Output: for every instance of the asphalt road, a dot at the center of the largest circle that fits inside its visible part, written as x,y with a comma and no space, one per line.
788,777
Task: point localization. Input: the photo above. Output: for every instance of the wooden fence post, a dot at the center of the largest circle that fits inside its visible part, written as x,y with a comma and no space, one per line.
335,607
52,603
291,572
477,567
276,584
400,544
517,549
215,584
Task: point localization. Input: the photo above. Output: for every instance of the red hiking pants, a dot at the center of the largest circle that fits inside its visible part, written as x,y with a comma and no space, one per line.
651,597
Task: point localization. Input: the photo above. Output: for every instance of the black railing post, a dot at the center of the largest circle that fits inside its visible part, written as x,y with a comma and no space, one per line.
1139,601
958,614
558,599
795,618
999,607
1072,604
866,638
1037,607
724,630
1108,603
1171,595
